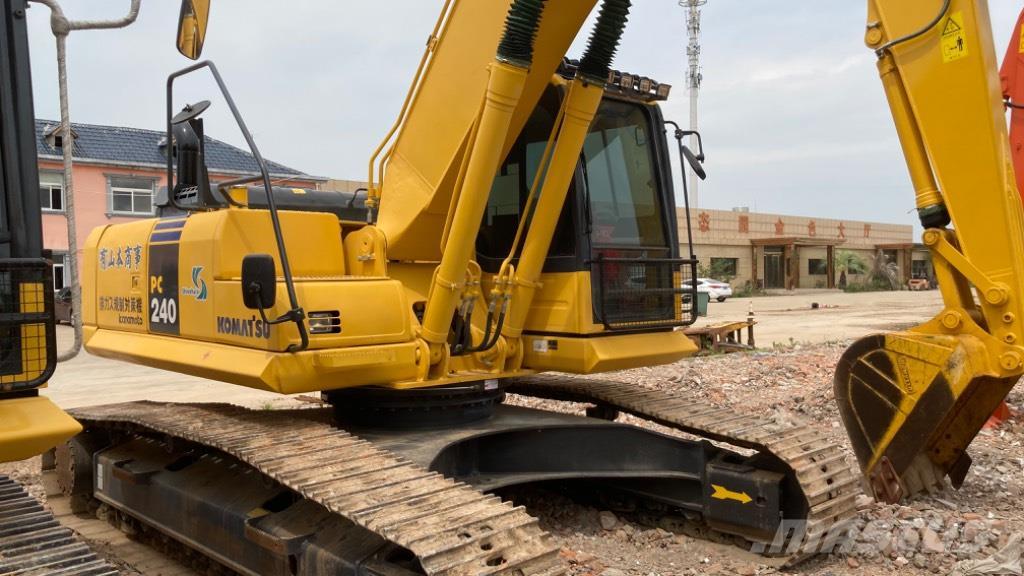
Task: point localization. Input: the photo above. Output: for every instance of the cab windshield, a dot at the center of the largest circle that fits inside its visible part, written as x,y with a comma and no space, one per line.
625,204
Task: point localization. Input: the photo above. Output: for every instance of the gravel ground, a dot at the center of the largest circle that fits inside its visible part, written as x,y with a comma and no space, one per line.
793,384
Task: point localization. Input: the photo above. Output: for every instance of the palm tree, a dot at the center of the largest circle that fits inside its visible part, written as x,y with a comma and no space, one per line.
847,261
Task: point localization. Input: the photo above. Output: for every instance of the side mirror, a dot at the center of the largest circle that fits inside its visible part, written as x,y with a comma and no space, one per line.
680,134
694,163
192,27
259,281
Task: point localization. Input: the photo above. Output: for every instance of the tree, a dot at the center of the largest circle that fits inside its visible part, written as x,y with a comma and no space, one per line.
719,269
850,262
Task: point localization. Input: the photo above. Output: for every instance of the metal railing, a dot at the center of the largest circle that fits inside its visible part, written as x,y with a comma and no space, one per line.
645,293
28,351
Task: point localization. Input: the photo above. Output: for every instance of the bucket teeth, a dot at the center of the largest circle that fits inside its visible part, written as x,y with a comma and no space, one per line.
911,404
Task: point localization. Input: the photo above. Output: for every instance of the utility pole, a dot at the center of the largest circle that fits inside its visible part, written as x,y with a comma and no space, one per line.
61,27
693,77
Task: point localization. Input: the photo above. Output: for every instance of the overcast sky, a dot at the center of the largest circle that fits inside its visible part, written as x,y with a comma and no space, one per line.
793,114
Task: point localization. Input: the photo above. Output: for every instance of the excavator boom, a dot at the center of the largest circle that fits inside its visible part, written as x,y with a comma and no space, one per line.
424,160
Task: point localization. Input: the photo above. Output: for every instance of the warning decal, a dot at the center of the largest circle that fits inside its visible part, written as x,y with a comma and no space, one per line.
1022,39
954,41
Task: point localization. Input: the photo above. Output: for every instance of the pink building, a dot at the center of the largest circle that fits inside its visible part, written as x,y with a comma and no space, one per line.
117,173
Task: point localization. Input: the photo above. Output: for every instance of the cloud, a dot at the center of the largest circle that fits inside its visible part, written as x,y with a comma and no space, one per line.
802,69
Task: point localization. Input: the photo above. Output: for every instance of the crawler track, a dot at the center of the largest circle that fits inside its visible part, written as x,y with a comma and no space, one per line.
452,528
32,541
829,485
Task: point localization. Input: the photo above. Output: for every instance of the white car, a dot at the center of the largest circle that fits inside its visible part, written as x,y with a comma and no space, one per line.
715,289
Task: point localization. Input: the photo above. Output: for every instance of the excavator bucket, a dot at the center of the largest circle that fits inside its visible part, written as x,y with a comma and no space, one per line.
911,404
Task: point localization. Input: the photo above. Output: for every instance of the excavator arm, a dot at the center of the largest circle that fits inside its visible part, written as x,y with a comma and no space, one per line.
912,401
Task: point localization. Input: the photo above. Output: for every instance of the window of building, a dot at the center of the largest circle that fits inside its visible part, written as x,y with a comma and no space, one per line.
51,191
920,269
59,273
131,196
724,267
55,137
817,267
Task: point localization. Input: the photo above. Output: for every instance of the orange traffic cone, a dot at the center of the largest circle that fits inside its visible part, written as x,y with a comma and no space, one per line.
1001,414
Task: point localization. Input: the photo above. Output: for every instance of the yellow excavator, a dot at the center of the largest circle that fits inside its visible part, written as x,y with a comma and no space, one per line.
519,219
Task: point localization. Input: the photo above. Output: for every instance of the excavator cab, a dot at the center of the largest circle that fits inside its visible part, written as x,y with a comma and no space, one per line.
617,231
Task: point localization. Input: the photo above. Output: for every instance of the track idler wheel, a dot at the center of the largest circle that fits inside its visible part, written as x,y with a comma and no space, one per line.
911,404
73,467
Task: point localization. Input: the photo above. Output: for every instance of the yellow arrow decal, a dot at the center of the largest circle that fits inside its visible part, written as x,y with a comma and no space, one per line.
723,493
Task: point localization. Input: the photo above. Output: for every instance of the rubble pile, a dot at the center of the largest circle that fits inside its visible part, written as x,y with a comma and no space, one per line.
922,534
794,384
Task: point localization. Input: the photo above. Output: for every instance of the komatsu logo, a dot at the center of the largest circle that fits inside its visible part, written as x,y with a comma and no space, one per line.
198,288
244,327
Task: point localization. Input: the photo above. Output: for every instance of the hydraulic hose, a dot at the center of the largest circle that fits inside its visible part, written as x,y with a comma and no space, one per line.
508,75
521,25
920,32
604,41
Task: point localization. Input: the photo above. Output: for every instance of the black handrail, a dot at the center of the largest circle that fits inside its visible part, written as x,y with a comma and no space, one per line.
679,133
296,314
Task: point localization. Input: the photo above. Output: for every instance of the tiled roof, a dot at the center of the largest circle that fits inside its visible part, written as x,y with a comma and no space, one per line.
135,146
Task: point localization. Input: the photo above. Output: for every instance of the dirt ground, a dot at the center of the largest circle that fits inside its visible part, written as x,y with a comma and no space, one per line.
927,537
790,318
792,381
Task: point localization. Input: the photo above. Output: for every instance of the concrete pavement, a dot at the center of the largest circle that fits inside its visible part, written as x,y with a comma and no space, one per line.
840,316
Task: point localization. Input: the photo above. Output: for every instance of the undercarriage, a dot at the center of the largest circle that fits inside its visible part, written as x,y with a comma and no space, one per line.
295,492
32,541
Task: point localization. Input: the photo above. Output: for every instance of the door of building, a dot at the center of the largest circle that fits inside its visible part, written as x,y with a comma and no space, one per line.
774,268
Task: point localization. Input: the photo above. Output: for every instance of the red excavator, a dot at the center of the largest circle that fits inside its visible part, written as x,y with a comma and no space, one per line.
1012,76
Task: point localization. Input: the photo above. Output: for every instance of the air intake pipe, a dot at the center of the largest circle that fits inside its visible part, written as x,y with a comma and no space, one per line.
508,74
516,46
596,63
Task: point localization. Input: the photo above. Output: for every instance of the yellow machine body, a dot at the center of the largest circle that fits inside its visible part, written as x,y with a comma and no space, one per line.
167,293
383,301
